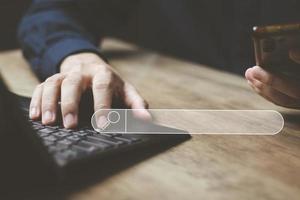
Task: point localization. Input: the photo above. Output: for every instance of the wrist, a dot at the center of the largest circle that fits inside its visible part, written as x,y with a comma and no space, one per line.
82,62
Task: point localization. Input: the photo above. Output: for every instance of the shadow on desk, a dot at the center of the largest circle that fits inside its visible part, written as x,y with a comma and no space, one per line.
94,173
293,119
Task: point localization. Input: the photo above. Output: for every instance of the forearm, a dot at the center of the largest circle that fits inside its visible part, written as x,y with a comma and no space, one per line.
50,32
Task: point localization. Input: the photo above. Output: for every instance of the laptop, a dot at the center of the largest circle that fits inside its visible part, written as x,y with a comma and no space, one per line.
33,154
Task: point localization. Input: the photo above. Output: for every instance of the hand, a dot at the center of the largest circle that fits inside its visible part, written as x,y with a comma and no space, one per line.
276,89
78,73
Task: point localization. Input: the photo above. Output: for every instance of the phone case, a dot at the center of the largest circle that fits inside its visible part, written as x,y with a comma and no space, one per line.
277,49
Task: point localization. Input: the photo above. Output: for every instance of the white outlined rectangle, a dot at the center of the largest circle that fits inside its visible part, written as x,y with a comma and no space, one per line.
194,121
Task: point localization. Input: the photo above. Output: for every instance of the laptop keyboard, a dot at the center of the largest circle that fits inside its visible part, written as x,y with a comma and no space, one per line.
67,144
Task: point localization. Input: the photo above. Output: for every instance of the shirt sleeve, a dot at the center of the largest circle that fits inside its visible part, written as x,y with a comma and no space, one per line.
50,31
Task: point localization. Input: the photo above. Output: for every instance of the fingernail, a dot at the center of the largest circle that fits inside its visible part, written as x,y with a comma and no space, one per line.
102,122
48,117
69,120
33,112
259,72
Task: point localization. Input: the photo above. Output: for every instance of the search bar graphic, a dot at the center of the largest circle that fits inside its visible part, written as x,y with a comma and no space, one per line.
194,121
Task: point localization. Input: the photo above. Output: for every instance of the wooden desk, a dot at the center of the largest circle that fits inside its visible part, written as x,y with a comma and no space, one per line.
207,166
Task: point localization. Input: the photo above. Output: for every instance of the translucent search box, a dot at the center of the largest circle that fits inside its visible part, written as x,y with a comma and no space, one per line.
193,121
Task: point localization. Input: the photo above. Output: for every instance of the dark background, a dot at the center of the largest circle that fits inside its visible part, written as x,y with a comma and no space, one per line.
151,26
10,14
212,32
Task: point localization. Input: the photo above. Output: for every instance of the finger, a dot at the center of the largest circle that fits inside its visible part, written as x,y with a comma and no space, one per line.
134,101
51,90
35,103
102,90
274,95
278,83
71,90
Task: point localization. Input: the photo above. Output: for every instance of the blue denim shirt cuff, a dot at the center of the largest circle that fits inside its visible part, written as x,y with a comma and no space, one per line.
55,54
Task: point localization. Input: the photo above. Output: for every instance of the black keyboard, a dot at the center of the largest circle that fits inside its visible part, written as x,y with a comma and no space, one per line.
66,144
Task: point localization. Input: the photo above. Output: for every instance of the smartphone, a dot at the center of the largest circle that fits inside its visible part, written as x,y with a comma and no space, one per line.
277,49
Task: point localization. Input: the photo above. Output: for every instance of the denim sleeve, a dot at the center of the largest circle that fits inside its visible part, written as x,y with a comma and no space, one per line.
52,30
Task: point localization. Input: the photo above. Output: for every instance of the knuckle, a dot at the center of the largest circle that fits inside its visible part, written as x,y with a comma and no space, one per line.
101,84
68,106
73,79
74,74
104,70
103,81
53,80
105,73
48,105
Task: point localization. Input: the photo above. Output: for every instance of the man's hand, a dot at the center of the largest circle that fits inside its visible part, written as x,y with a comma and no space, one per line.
278,90
79,72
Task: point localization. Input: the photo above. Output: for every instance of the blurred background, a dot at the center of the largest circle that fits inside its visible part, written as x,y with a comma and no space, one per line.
11,12
206,31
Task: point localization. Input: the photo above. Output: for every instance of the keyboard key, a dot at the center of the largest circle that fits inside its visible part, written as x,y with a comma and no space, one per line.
79,151
47,142
129,139
42,134
98,143
37,127
61,134
54,149
91,131
111,134
68,154
64,142
63,156
52,127
74,138
81,133
105,134
106,139
46,130
66,130
50,138
85,146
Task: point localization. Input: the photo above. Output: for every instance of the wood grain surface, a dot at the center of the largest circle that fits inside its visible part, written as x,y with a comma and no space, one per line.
207,166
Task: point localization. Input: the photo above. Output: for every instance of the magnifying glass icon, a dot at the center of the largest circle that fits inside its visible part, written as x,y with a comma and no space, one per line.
112,117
